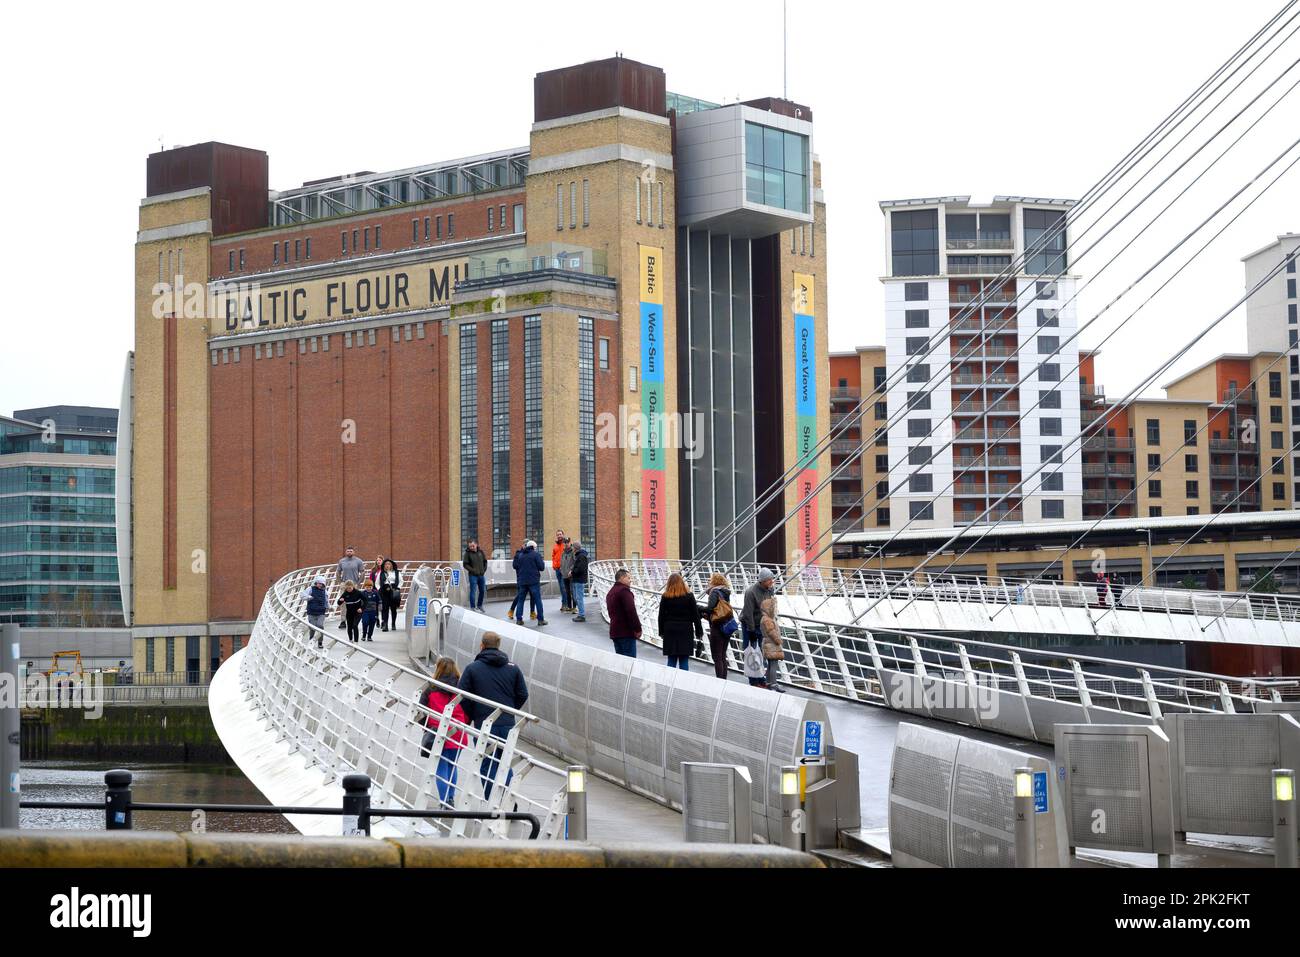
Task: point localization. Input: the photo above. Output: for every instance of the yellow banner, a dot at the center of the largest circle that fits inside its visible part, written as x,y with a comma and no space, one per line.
805,298
651,275
237,306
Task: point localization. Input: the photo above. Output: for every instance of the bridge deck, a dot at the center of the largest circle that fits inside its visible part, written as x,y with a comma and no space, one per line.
869,731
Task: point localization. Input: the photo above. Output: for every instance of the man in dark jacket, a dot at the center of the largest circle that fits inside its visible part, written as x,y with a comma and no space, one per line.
475,562
317,607
578,580
529,566
750,613
624,622
491,675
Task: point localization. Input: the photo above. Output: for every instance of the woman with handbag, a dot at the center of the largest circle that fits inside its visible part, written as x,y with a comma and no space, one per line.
679,622
390,595
772,651
722,622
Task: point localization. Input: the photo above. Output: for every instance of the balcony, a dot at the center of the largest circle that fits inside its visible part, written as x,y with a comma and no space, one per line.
1092,393
839,419
968,516
534,259
846,501
998,296
983,242
1246,472
1248,499
1247,396
848,473
986,435
846,395
1092,496
846,447
1102,443
977,269
988,462
997,378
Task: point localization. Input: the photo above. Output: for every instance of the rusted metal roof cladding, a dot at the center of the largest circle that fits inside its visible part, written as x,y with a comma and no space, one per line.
238,177
774,104
598,85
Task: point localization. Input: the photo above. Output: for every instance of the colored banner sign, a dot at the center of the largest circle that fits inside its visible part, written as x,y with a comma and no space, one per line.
654,464
805,365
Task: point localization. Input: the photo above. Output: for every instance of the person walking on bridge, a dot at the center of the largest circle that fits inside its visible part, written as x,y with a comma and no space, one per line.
755,595
557,562
351,568
773,654
493,676
475,563
578,580
722,622
353,602
446,677
390,595
566,575
624,622
318,605
369,610
529,566
679,622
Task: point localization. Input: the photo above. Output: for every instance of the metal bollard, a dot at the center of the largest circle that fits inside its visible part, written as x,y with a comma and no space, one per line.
117,800
792,815
575,821
10,729
1284,829
356,805
1026,838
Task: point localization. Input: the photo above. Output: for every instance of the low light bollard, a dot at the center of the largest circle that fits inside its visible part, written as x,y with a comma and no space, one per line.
1026,838
117,800
1284,808
356,805
575,821
792,814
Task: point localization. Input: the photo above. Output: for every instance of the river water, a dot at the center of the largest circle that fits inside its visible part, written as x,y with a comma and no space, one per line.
161,783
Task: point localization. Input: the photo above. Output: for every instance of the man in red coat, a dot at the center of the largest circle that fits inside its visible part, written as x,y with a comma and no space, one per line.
624,623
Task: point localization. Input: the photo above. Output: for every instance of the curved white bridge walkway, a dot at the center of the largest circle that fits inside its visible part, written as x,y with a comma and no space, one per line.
296,718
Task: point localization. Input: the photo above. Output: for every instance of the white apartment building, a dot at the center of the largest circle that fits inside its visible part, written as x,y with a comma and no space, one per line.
1271,319
949,274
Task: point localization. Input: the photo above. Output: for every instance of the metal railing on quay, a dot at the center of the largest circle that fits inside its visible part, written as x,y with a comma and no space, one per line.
339,704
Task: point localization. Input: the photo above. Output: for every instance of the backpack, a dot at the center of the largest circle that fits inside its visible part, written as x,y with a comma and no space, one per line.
755,666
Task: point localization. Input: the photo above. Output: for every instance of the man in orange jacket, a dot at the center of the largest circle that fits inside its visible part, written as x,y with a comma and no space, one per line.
557,556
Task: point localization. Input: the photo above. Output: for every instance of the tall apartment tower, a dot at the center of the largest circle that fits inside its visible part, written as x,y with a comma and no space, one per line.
951,276
1271,321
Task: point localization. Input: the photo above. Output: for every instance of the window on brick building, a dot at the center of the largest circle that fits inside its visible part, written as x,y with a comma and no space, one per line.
451,225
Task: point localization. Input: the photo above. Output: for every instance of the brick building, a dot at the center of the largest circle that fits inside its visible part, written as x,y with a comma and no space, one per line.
619,330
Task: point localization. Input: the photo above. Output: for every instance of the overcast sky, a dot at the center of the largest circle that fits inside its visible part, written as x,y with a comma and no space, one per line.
911,99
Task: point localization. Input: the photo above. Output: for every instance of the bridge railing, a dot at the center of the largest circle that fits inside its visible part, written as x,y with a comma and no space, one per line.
829,581
1011,689
346,708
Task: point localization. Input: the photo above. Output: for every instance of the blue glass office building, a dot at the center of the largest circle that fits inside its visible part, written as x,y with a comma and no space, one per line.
58,541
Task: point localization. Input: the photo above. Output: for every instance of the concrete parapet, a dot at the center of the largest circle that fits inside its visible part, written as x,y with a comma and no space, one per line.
154,849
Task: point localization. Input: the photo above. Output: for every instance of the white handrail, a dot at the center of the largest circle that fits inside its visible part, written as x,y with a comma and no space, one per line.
346,708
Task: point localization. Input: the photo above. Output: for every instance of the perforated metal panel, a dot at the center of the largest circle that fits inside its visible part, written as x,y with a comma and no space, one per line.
635,721
1223,769
951,803
1117,787
716,804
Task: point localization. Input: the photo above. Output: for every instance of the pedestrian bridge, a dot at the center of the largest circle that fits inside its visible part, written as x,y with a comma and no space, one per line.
296,716
911,652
